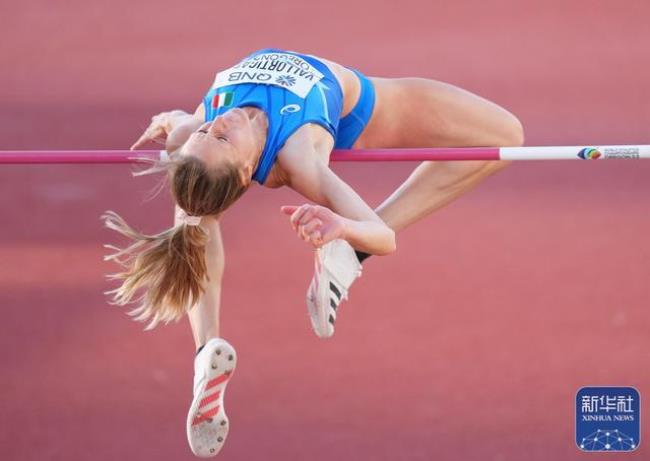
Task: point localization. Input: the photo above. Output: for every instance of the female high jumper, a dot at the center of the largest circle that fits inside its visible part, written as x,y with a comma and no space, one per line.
274,118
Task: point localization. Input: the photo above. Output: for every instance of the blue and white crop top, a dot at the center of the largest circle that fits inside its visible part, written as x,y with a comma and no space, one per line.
292,89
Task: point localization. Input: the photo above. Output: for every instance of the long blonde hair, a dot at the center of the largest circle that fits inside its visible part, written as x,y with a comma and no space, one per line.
170,266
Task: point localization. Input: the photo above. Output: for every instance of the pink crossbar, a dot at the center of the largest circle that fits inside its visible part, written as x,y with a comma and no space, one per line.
368,155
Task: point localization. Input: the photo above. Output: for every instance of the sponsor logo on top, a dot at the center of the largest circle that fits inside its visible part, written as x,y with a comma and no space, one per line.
285,70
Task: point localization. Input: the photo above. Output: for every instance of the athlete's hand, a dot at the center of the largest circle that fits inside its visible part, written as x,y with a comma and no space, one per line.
161,125
316,224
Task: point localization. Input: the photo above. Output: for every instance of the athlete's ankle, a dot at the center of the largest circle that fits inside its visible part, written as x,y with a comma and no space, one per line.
200,348
361,256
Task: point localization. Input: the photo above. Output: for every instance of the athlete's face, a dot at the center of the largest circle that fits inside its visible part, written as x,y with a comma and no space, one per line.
232,137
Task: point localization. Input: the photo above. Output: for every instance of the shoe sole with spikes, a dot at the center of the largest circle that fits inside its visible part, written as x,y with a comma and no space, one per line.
207,423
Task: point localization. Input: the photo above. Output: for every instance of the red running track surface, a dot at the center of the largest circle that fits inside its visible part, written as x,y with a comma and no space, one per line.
468,344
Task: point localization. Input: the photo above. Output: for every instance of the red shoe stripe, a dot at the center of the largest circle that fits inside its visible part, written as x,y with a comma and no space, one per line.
218,380
204,416
209,399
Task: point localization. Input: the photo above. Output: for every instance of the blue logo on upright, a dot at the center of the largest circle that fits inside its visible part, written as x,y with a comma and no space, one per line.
607,419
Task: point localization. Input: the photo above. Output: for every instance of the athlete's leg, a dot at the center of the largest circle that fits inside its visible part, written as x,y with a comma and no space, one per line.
431,186
415,112
204,316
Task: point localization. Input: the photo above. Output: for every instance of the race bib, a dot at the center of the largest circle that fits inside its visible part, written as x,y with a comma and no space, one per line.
279,69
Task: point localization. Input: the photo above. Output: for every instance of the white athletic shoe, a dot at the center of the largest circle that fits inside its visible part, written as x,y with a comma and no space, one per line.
336,268
207,423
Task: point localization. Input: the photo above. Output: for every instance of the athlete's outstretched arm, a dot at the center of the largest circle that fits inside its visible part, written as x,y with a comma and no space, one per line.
204,315
171,128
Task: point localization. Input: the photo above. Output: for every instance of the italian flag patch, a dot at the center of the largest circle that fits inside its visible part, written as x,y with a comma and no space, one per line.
222,100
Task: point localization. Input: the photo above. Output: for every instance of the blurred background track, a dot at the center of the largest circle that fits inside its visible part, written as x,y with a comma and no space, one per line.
468,344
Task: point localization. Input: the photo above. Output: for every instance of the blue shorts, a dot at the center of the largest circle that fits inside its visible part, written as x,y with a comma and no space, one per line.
352,125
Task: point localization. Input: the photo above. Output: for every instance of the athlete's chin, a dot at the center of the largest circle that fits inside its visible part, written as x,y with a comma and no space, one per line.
237,112
238,119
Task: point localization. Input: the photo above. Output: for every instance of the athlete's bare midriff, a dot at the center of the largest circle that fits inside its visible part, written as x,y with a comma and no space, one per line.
377,132
348,81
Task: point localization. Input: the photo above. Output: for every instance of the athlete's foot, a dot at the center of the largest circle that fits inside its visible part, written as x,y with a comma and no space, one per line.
336,268
207,423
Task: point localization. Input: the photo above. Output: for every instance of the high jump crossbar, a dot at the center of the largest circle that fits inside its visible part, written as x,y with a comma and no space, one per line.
362,155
